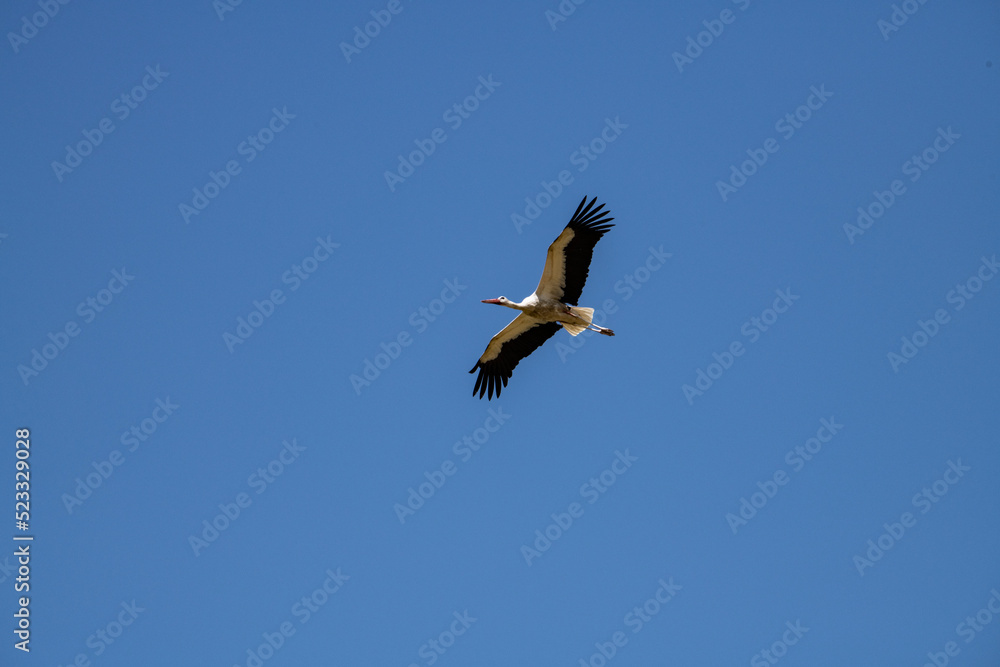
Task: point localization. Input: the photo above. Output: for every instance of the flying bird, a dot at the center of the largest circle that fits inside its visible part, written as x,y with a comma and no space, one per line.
552,304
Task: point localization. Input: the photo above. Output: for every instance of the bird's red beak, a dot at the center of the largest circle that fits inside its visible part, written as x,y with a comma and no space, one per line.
491,300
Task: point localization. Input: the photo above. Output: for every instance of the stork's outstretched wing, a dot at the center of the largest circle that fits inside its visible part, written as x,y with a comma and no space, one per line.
514,342
568,260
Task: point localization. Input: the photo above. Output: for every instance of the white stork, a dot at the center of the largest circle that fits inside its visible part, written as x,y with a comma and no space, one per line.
543,312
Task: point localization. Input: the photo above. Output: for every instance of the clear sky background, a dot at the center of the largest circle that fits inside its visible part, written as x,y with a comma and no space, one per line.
792,439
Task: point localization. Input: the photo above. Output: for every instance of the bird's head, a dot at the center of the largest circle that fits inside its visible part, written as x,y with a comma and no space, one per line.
502,301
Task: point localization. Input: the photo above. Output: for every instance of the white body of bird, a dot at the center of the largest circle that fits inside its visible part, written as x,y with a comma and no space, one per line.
575,319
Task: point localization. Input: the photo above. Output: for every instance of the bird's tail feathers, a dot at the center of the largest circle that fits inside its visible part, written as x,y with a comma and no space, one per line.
585,314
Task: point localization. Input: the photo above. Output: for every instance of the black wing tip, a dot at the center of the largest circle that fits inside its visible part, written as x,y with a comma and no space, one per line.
492,379
485,382
590,218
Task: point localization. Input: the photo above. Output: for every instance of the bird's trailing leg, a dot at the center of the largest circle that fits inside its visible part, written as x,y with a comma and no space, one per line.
602,330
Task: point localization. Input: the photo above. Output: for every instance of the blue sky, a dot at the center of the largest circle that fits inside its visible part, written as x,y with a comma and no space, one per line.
787,454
